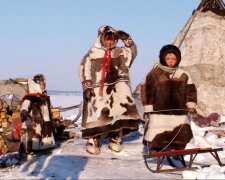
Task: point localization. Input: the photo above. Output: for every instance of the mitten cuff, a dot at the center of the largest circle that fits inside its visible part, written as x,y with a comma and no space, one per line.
87,84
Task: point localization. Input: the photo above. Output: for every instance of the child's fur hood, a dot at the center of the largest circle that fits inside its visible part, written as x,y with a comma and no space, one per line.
170,48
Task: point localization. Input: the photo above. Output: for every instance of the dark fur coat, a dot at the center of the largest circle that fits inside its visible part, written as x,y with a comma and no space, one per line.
166,97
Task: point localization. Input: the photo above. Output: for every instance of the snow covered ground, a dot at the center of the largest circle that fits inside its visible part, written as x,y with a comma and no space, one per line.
69,160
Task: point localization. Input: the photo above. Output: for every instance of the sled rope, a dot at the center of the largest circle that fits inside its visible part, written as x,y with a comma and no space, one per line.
177,131
172,139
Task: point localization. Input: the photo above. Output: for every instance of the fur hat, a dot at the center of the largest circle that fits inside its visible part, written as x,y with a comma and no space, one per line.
170,48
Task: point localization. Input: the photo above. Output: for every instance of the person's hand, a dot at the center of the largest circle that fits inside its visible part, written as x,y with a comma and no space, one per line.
122,35
89,93
23,115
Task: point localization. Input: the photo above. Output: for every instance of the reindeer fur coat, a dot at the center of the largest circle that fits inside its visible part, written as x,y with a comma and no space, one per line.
115,110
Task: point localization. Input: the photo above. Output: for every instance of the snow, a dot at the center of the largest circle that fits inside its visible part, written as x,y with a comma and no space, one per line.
69,160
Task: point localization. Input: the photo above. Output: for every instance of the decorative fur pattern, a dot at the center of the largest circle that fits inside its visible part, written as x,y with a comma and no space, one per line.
164,91
116,109
37,129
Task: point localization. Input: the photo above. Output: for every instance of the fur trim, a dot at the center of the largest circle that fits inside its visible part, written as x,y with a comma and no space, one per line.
101,32
148,108
126,126
170,48
191,105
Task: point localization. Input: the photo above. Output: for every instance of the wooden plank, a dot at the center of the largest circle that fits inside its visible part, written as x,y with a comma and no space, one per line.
184,151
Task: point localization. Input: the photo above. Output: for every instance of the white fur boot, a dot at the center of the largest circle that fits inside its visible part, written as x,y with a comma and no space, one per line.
93,146
115,144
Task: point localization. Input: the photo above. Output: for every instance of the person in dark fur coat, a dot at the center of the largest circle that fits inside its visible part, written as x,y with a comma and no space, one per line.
109,110
168,94
37,131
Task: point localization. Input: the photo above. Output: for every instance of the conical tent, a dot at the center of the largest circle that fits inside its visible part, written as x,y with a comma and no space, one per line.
216,6
202,44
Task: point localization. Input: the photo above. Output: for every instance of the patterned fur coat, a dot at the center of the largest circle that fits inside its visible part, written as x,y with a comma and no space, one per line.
37,129
166,97
115,109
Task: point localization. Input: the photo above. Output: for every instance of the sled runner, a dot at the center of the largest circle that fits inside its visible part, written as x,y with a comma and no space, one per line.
178,155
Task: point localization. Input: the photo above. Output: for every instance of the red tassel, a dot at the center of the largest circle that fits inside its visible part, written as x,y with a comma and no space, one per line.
106,60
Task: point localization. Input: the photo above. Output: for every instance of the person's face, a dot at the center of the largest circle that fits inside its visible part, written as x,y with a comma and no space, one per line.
43,85
171,60
109,43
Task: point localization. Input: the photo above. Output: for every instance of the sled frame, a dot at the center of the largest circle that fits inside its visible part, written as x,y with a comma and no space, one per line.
161,156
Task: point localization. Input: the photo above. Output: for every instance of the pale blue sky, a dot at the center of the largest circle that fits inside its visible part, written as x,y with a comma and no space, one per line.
52,36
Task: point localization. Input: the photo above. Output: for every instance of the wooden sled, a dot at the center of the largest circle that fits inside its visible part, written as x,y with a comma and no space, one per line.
80,106
178,155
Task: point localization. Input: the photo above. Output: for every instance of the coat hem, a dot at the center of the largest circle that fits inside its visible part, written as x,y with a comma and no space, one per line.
127,127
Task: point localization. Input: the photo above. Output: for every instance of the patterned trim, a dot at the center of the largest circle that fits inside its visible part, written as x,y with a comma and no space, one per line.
87,84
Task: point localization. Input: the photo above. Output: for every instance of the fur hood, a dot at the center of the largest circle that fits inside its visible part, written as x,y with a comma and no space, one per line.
170,48
101,32
33,85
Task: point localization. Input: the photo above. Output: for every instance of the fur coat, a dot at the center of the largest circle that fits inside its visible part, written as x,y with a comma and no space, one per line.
37,130
166,97
115,109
